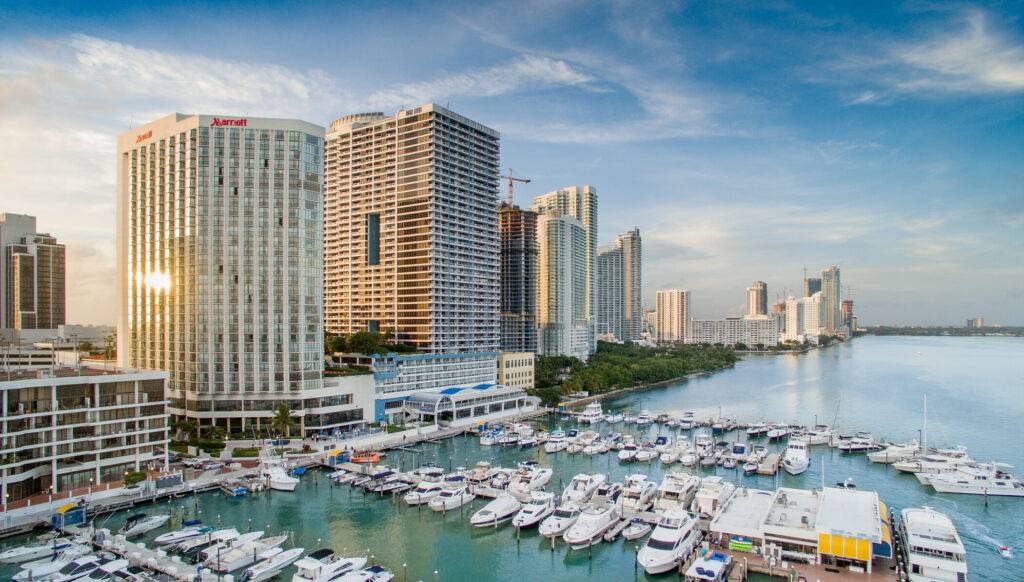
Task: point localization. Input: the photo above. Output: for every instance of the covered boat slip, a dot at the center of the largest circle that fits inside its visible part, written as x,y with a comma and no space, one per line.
461,402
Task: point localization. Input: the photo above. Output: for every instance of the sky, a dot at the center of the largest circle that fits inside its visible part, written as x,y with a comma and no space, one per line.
746,141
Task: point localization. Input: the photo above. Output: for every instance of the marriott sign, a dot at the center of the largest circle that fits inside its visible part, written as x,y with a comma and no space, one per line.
218,122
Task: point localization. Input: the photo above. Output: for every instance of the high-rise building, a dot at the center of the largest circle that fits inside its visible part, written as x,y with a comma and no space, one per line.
976,322
632,262
673,311
794,328
619,311
830,298
220,270
651,322
811,286
579,202
518,279
411,229
757,299
562,287
812,313
847,314
32,275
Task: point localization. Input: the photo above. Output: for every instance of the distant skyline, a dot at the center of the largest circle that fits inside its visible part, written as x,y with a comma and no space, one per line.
745,142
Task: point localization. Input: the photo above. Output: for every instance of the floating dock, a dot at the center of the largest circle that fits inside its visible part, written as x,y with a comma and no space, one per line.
770,464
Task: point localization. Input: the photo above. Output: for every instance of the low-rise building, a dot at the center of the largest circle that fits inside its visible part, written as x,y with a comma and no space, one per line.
739,521
469,404
68,428
515,369
25,358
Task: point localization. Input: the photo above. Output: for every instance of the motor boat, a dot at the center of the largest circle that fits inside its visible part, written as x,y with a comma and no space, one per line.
942,461
371,574
423,493
713,492
740,451
661,443
777,433
710,566
394,484
528,441
614,418
750,467
451,498
276,475
591,526
676,491
592,414
708,461
1005,552
503,508
796,460
502,479
861,442
140,523
637,493
636,529
758,429
582,487
606,493
704,444
729,463
628,452
675,537
324,566
529,477
540,506
987,479
596,446
674,453
491,438
196,545
646,454
821,434
759,453
507,439
107,570
32,552
895,452
687,421
564,516
931,546
210,554
41,569
557,441
80,568
272,565
672,422
429,473
176,537
481,473
644,418
629,418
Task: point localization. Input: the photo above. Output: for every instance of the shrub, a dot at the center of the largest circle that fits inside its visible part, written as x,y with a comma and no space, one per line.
134,477
241,452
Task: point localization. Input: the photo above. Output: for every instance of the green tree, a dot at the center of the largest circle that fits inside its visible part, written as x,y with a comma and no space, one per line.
184,425
85,347
214,432
282,420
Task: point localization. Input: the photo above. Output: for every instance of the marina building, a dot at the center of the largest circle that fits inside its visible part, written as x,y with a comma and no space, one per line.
469,404
619,310
731,331
515,369
518,279
831,291
32,275
757,299
672,314
410,229
562,288
219,256
68,428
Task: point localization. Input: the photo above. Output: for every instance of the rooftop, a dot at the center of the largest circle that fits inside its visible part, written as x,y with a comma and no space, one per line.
65,372
793,509
743,513
850,512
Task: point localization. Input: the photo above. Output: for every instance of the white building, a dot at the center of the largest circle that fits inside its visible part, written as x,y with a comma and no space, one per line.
220,269
811,309
671,315
467,405
730,331
757,299
515,369
794,320
73,428
562,289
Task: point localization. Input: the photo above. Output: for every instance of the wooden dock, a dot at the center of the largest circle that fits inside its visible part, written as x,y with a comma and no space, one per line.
770,464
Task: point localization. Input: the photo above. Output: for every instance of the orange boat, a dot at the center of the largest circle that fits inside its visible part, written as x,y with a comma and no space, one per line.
365,457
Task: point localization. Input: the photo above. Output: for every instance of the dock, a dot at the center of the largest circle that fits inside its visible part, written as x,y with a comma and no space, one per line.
770,464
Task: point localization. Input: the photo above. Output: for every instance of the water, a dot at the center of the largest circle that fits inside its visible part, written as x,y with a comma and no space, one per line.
975,398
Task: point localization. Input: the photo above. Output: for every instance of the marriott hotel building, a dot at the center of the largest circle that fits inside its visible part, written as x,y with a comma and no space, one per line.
220,267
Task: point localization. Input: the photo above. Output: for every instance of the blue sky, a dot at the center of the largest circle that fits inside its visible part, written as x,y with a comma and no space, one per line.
746,141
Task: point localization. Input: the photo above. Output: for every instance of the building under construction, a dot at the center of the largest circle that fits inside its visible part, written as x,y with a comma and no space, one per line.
518,279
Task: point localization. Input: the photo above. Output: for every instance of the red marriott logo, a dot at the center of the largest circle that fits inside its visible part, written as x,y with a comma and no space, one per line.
144,136
218,122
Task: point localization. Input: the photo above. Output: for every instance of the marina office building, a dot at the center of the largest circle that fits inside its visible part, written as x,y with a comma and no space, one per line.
69,428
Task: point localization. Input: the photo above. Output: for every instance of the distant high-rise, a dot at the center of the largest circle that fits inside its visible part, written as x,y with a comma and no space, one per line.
976,322
794,327
411,237
811,286
757,299
619,312
518,279
564,328
579,202
32,275
847,314
830,298
812,314
673,311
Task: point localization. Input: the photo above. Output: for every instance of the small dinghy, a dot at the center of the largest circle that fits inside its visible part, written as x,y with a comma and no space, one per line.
636,529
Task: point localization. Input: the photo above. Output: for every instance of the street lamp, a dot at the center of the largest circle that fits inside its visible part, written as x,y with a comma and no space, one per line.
90,485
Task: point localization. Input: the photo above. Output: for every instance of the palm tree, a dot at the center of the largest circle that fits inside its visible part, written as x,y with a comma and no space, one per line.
282,420
186,426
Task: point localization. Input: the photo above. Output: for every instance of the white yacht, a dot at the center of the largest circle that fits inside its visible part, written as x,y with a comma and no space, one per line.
796,459
676,491
673,539
687,421
491,437
206,540
451,498
895,452
277,476
371,574
79,568
557,441
140,523
628,452
592,414
758,429
582,487
501,509
178,536
613,418
821,434
644,418
714,491
529,477
540,506
709,567
861,442
987,479
272,566
591,526
607,493
423,493
247,554
705,444
564,516
777,432
42,569
107,570
740,451
939,462
637,493
931,546
324,565
481,473
646,453
31,552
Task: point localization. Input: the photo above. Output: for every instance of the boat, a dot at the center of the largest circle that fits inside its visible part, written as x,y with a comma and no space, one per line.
1005,552
675,537
628,452
931,546
528,441
557,441
637,493
271,566
821,434
482,473
713,492
564,516
503,508
942,461
606,493
32,552
394,485
80,568
729,463
40,569
191,530
451,498
371,574
365,457
140,523
582,487
429,473
710,566
276,475
750,467
636,529
324,566
198,544
592,414
861,442
758,429
644,418
689,458
895,452
596,446
796,459
529,477
704,444
491,438
987,479
759,453
614,418
661,443
629,418
708,461
540,506
210,554
645,454
740,451
107,570
423,492
675,452
501,480
591,526
676,491
777,433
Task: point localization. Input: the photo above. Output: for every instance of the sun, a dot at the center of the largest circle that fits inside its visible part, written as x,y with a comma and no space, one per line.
158,281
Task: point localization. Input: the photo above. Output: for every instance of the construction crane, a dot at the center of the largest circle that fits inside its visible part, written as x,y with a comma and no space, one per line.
511,181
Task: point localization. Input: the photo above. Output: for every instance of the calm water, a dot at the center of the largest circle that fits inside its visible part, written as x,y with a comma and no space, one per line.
975,398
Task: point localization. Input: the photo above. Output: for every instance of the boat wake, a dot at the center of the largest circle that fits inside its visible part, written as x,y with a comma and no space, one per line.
980,534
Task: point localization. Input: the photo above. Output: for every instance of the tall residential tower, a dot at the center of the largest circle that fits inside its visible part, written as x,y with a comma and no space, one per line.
831,317
562,287
32,275
757,299
673,311
619,311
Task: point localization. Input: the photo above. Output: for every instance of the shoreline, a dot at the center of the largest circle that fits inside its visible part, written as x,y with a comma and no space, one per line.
627,390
